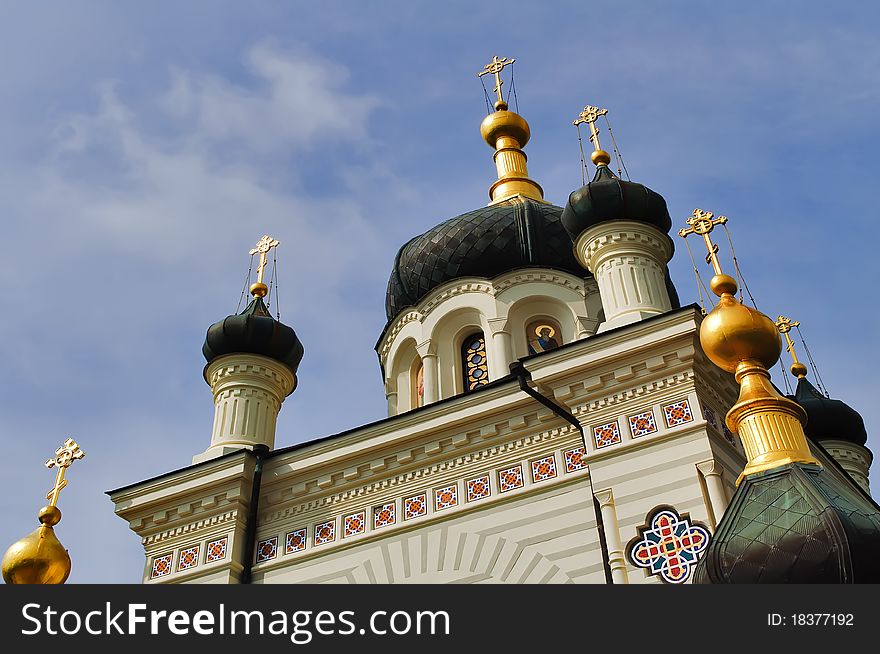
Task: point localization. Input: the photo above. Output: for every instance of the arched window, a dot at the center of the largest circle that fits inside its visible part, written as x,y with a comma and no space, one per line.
543,335
418,384
473,360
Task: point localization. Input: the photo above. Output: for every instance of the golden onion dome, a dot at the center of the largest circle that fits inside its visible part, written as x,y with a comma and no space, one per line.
39,557
503,123
733,333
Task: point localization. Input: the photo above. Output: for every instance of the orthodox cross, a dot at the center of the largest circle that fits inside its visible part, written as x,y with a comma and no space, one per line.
64,458
702,223
263,246
494,68
590,115
784,325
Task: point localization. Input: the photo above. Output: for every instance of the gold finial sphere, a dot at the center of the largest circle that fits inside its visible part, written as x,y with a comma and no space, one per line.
504,124
49,516
798,369
733,333
600,158
721,284
500,105
259,289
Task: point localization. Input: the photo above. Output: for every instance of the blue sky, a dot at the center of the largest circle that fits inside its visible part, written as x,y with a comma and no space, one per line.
146,146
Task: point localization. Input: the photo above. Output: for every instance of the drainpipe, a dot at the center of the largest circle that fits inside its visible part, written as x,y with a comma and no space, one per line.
250,531
524,377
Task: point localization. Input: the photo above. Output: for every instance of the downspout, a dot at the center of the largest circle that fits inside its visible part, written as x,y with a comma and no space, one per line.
250,530
519,370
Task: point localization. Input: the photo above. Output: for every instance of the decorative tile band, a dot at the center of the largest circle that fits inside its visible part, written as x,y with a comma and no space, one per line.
354,524
642,424
189,558
510,479
325,532
415,506
267,549
678,413
295,541
543,469
478,488
607,434
216,549
383,515
162,565
446,497
574,459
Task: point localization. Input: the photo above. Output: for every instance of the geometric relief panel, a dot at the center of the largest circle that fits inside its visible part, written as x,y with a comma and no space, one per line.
678,413
574,459
668,544
216,549
642,424
161,566
544,469
189,558
267,549
510,478
607,434
295,541
383,515
478,488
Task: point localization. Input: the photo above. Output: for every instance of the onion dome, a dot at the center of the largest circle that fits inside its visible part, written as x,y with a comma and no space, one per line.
38,558
794,524
829,419
484,243
254,331
608,198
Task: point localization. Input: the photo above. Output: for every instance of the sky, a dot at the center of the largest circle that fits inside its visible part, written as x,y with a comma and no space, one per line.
145,147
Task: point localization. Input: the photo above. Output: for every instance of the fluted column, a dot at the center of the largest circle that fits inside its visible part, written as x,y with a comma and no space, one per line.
628,260
248,391
712,472
616,555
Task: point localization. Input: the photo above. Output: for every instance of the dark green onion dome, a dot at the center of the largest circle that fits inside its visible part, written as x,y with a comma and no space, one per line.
609,198
798,523
829,419
483,243
254,331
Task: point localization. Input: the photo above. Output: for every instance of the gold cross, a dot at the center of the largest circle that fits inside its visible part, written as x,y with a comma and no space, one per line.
785,325
702,223
590,115
64,458
263,246
494,68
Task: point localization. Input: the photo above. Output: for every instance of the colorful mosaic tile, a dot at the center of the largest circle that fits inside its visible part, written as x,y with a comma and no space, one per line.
478,488
642,424
510,478
161,566
446,497
709,414
544,469
216,549
267,549
355,524
678,413
325,532
295,541
384,515
607,434
415,506
668,545
574,459
189,558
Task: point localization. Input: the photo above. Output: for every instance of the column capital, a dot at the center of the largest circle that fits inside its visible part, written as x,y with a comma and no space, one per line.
605,497
710,468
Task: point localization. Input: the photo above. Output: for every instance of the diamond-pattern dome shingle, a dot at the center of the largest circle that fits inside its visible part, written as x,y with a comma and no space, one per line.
483,243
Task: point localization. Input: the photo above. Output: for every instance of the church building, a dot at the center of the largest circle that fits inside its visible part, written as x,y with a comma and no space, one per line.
554,416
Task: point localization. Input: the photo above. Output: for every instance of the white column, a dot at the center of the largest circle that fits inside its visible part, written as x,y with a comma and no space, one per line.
248,391
712,472
616,556
500,352
431,381
391,396
628,261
